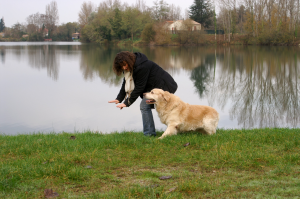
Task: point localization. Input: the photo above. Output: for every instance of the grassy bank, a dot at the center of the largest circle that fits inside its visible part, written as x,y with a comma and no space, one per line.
261,163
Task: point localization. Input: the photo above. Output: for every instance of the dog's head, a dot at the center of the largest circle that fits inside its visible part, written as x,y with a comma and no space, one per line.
157,96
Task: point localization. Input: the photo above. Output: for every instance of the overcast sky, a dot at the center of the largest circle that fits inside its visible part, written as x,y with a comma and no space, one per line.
15,11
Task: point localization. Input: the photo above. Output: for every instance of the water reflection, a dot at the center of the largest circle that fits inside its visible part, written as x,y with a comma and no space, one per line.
260,84
45,56
204,75
96,61
174,58
2,54
255,86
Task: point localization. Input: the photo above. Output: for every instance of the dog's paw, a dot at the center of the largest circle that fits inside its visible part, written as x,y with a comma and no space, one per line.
161,137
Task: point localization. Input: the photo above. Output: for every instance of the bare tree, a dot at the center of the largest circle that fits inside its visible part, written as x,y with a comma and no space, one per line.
297,19
275,15
35,19
228,7
223,20
160,10
178,13
174,13
269,8
141,5
110,5
291,8
116,4
297,22
186,14
52,17
87,8
34,23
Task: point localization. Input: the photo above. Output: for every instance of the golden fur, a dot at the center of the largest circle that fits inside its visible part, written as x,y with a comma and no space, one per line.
180,116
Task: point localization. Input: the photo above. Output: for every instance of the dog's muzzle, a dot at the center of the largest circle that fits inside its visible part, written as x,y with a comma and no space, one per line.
150,101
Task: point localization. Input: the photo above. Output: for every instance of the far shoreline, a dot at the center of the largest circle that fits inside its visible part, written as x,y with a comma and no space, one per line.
209,40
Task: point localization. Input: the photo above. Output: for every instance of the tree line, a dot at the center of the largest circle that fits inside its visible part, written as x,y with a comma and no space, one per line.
40,26
264,22
113,20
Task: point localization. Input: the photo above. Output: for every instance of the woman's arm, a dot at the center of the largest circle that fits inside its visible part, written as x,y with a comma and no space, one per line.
122,92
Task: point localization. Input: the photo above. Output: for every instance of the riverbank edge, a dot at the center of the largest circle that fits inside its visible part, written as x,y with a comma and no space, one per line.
159,132
209,40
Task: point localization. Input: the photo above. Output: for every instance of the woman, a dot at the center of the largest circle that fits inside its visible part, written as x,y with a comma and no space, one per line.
141,76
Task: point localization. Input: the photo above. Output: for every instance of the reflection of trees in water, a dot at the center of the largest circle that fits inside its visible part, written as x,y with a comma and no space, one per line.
201,75
44,57
2,54
172,59
162,56
260,83
263,88
97,61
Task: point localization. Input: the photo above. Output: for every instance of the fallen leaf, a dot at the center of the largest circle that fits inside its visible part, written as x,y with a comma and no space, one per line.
172,189
154,185
72,137
187,144
165,177
50,194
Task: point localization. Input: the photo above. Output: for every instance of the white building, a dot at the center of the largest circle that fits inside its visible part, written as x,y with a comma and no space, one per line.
188,24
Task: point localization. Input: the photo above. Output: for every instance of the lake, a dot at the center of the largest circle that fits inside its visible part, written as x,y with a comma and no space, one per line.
65,86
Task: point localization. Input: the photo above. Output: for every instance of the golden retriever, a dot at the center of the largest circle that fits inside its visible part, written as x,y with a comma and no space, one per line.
180,116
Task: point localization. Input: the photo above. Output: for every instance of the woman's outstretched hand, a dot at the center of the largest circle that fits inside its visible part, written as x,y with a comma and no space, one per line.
121,106
117,102
114,101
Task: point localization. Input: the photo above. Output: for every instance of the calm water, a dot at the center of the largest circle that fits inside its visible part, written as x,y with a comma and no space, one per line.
65,86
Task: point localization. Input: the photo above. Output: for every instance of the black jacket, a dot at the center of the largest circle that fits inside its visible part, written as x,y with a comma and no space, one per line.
147,75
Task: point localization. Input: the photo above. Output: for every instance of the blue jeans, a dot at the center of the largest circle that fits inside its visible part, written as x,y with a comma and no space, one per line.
148,122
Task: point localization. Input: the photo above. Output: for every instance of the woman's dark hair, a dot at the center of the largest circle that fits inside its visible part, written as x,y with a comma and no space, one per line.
121,59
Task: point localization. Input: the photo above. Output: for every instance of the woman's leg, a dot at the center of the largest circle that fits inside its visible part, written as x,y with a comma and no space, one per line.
148,122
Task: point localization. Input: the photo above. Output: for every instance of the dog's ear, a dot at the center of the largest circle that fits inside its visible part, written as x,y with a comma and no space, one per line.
166,96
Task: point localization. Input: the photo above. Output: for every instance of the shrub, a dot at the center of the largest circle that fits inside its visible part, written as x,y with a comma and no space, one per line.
148,34
162,35
275,38
36,37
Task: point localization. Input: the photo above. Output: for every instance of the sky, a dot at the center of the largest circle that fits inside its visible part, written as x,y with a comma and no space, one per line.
14,11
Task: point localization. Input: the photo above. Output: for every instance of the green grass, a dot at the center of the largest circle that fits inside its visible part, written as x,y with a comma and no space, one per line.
258,163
